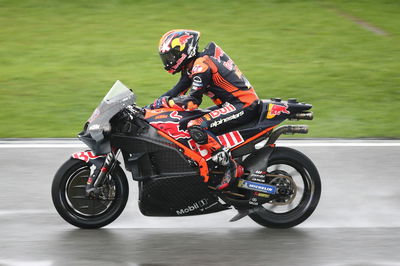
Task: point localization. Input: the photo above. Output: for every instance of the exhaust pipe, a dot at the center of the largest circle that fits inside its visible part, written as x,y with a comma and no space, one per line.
287,130
302,116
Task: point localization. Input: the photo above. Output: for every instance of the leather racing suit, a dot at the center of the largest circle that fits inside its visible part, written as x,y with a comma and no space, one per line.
215,74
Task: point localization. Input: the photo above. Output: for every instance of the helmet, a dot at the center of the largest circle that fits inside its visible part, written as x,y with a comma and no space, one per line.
177,48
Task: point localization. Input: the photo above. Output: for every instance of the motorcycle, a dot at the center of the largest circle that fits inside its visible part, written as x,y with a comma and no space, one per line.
280,187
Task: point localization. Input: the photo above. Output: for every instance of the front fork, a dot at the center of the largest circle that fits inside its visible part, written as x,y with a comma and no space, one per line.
97,178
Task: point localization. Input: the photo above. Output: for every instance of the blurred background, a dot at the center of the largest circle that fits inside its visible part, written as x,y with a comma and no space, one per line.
59,58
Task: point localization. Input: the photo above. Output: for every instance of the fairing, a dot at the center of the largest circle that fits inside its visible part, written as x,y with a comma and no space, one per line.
118,97
98,125
271,113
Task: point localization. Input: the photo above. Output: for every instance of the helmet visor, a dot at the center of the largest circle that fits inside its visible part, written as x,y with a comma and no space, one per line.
169,58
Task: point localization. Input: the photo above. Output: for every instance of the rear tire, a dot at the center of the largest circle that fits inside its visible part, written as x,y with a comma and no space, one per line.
70,200
307,175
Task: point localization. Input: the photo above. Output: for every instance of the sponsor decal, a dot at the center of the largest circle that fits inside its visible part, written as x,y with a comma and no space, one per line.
230,139
275,109
199,205
86,155
181,41
197,69
218,53
229,108
175,115
257,179
258,176
172,129
165,45
161,117
229,64
227,119
179,62
253,201
264,188
197,82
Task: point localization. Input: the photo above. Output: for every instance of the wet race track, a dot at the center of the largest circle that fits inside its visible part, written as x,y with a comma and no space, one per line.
356,223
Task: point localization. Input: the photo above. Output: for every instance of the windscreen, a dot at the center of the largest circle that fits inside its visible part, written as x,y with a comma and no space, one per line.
117,98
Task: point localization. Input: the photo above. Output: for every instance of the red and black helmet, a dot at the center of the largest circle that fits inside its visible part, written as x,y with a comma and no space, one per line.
177,48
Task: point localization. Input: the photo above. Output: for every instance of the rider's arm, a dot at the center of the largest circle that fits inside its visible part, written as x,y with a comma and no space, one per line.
181,87
201,79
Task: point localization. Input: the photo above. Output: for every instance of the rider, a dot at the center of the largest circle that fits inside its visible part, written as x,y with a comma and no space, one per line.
213,73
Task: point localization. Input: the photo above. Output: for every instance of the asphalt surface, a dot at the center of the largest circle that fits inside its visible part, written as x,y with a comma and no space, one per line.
356,223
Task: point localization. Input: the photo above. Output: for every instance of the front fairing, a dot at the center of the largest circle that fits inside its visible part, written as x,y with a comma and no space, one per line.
95,133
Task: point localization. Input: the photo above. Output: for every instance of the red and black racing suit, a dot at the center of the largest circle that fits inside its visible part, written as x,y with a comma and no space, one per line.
215,74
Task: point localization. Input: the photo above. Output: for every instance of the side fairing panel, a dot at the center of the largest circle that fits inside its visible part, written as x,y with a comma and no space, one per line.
177,196
148,155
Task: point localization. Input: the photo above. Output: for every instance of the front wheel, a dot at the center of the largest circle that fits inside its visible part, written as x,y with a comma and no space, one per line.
69,195
297,174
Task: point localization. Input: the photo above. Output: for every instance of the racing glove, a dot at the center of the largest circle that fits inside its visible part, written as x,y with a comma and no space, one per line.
183,103
161,102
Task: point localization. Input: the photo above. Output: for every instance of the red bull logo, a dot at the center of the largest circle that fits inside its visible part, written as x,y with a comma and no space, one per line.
86,156
172,129
274,109
181,42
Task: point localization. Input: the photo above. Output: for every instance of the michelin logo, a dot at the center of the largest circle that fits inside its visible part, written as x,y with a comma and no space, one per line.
257,187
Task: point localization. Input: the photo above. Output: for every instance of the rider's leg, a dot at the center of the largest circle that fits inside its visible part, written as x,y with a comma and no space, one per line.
219,121
219,155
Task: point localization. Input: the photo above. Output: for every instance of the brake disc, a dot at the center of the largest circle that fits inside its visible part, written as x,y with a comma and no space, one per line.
286,188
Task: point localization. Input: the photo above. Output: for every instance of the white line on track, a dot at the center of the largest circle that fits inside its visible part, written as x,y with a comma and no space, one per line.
40,145
298,143
26,211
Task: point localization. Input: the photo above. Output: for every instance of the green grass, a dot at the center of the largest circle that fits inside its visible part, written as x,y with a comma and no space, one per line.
59,58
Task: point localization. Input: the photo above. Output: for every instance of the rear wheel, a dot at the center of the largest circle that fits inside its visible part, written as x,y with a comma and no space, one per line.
298,179
71,202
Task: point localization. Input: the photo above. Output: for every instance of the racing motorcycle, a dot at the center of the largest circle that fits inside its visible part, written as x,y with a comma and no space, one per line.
280,187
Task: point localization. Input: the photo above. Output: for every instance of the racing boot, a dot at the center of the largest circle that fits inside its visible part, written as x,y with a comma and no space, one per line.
232,170
217,152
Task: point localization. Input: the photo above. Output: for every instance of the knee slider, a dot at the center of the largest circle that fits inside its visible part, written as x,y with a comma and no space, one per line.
198,134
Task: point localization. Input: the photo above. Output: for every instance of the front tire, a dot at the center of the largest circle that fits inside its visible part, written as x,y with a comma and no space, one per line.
70,200
306,182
